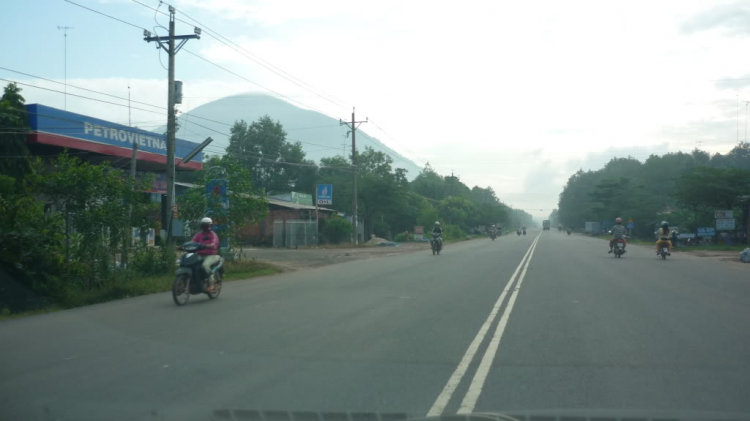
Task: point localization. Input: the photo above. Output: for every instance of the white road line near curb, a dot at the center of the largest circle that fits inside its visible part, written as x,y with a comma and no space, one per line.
445,396
475,389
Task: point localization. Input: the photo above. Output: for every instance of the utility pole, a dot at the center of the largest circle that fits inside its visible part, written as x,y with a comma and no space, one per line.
65,66
353,127
128,229
171,50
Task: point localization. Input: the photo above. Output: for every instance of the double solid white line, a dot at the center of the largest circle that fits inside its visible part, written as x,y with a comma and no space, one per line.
475,388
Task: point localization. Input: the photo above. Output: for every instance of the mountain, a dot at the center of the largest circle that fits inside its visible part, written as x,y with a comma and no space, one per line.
321,136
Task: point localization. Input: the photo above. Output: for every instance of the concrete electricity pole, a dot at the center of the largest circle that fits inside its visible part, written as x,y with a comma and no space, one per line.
171,50
353,126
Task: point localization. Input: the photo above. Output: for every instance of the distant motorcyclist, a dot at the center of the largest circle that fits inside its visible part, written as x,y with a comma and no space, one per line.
437,236
493,230
618,233
675,239
663,235
436,229
210,251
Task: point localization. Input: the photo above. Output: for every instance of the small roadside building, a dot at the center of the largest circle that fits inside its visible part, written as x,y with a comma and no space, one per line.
287,224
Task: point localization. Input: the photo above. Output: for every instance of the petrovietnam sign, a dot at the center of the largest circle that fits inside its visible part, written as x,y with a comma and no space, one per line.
76,131
124,136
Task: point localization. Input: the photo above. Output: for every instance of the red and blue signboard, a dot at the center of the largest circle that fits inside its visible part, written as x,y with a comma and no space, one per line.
51,126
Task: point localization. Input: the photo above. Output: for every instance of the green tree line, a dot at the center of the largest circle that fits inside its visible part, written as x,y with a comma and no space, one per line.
682,188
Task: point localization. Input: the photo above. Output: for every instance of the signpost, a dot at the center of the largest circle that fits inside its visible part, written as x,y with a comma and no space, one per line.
723,214
418,232
324,194
725,224
706,232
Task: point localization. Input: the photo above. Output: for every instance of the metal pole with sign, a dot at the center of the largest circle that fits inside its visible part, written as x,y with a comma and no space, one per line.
323,196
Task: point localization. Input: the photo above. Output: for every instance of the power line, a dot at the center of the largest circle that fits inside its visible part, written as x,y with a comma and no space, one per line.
109,95
104,14
247,54
400,143
250,81
78,87
210,62
79,96
222,67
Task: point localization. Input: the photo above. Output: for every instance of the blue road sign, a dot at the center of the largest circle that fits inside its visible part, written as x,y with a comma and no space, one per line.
324,194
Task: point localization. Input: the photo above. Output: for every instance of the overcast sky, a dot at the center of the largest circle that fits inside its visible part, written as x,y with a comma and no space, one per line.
516,95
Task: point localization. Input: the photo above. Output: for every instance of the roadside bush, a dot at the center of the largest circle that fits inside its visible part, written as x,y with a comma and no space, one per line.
145,261
453,232
400,237
337,229
153,260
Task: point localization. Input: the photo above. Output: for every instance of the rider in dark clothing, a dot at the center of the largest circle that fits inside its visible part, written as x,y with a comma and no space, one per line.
437,229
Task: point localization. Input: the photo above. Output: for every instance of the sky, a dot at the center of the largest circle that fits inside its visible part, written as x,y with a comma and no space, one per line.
516,95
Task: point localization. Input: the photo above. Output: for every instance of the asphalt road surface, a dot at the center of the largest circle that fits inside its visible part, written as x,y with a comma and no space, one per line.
542,321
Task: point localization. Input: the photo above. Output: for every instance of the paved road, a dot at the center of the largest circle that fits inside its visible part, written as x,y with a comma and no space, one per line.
536,322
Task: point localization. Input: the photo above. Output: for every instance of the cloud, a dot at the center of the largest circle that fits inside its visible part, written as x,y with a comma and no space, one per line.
734,83
269,12
732,19
712,135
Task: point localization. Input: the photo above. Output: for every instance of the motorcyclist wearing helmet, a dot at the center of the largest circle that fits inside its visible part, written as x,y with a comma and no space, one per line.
437,232
493,230
436,229
210,251
618,232
663,238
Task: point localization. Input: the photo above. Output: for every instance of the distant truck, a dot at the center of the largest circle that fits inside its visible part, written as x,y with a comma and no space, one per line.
545,224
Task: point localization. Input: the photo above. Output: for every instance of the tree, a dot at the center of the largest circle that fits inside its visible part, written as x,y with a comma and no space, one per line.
337,229
30,240
14,122
554,218
458,211
91,199
429,184
276,165
707,188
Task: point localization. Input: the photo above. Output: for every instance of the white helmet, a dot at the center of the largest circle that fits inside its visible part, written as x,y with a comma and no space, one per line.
207,220
437,223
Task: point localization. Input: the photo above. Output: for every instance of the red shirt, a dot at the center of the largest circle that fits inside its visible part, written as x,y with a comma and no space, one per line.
208,239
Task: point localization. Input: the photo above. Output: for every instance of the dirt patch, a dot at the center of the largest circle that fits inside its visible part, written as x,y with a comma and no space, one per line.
731,257
305,258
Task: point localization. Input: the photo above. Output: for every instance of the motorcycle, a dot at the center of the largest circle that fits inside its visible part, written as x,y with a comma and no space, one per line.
436,243
619,247
524,232
493,235
568,231
191,277
664,252
518,232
